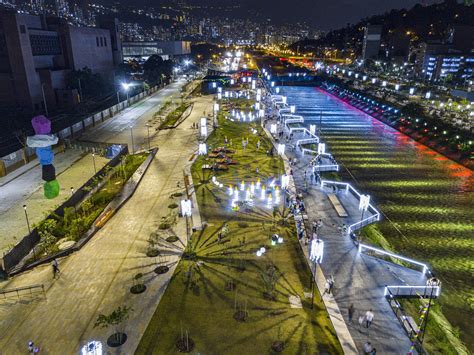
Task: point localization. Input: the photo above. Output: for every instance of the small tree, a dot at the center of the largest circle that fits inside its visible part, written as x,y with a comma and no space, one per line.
47,238
270,279
114,319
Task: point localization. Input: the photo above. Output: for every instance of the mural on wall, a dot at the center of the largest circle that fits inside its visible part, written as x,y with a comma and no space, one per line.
43,141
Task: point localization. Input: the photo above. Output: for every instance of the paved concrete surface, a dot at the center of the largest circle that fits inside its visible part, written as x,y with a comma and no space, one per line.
359,279
73,169
97,278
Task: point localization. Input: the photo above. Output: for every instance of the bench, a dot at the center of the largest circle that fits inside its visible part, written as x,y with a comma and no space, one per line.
337,205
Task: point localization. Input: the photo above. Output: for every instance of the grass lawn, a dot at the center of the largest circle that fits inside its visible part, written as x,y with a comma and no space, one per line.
174,116
214,281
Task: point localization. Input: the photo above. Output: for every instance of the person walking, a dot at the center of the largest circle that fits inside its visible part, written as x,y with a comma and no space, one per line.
350,312
369,317
331,284
327,288
55,269
368,348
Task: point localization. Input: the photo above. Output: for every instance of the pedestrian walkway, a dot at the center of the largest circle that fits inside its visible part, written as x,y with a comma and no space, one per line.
97,278
73,169
359,279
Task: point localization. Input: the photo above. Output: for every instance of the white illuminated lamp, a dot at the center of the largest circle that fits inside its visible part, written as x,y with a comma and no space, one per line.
262,192
364,77
397,87
230,190
219,96
343,71
214,85
259,97
356,75
350,73
384,83
321,148
254,84
186,208
364,202
93,347
428,95
226,94
202,149
281,149
312,128
284,99
203,127
285,180
412,91
257,105
219,89
273,128
242,186
236,193
216,107
272,84
248,195
374,80
277,90
317,250
261,113
292,109
232,81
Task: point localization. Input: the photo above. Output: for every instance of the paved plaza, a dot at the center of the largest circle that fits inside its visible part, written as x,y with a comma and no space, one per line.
97,278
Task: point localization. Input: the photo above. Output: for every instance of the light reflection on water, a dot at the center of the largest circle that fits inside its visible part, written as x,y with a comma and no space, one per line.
426,196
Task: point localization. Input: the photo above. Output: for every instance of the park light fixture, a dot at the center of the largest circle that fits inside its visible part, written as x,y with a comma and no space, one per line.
364,77
202,149
317,251
285,180
312,129
126,86
364,202
412,91
281,149
384,83
273,128
428,95
397,87
292,109
204,127
186,208
374,80
321,148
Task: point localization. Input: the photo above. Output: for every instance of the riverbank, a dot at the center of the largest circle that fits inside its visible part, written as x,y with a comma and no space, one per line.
433,138
426,200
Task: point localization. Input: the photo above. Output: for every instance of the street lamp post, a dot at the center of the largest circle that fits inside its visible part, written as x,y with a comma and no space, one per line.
27,220
148,134
316,256
72,194
29,229
133,144
44,100
93,161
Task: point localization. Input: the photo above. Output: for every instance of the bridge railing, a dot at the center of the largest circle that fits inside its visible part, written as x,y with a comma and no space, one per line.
412,291
22,291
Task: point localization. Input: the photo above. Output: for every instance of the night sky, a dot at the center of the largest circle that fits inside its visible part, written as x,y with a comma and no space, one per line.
325,14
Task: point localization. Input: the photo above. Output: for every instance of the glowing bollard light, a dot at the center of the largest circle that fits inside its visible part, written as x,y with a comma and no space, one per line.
230,190
321,148
428,95
214,180
273,128
254,84
397,87
186,208
262,192
284,99
258,98
252,187
232,81
236,193
412,91
257,186
219,96
384,83
242,186
269,200
219,89
257,105
204,127
277,90
272,84
285,180
292,109
277,195
247,195
374,80
214,85
312,128
226,94
281,149
202,149
259,91
216,107
261,113
364,77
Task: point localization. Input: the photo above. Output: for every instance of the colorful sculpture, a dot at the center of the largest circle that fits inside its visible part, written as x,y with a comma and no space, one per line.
43,141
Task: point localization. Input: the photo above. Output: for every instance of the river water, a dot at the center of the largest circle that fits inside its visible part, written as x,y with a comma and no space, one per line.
427,200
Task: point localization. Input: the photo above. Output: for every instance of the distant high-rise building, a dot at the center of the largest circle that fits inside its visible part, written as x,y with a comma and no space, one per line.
371,44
